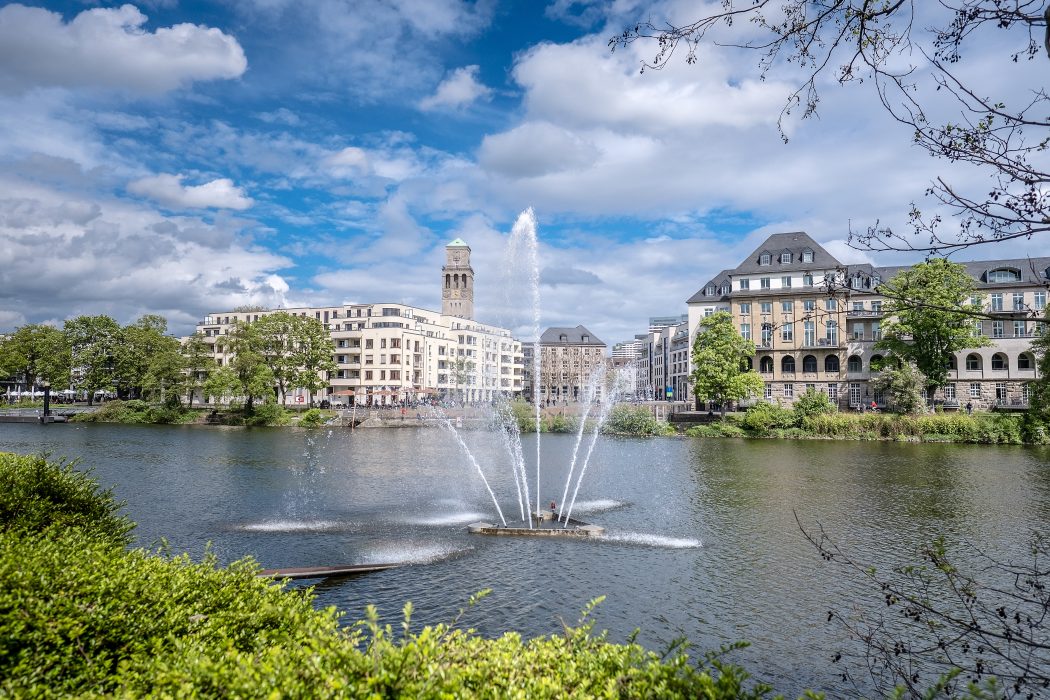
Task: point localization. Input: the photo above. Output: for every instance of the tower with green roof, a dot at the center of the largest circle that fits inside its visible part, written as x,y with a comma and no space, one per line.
457,280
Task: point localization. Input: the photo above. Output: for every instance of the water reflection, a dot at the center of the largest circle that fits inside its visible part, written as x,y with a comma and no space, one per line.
702,538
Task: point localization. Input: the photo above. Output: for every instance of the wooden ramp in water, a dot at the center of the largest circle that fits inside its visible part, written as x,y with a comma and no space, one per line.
325,571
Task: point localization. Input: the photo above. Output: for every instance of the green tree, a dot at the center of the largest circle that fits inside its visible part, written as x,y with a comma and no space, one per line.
312,355
912,55
221,384
903,383
275,337
199,363
92,341
166,376
932,315
1040,401
36,353
720,357
254,377
135,349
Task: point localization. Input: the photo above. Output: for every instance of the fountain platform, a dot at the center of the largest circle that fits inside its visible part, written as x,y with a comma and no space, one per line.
544,524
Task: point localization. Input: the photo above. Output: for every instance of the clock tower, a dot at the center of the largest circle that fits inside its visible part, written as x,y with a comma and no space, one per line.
457,281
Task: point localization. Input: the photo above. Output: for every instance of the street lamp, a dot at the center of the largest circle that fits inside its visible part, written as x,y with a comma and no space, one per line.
47,400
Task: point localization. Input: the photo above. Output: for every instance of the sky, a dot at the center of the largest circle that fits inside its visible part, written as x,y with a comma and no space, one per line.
181,158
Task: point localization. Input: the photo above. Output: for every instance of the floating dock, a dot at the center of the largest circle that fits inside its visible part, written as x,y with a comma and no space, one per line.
544,524
325,571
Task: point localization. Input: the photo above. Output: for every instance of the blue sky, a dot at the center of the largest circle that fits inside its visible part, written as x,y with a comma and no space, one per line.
183,157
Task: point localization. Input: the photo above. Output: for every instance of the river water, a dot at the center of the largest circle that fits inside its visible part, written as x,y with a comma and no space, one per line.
701,537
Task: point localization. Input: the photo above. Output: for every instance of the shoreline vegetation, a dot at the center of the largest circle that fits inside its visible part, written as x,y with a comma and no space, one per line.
82,613
810,419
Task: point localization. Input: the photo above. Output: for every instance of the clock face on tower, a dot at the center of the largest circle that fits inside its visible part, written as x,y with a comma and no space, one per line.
455,258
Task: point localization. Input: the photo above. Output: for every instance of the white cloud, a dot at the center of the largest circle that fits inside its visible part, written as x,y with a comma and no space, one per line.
169,191
457,91
536,148
108,48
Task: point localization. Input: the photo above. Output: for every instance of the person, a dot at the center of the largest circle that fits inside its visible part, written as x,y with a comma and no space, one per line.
969,408
554,506
874,406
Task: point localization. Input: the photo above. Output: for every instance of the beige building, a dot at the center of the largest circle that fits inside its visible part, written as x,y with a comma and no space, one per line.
568,356
385,353
814,322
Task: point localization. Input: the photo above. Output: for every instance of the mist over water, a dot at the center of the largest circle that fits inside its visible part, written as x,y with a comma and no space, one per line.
700,540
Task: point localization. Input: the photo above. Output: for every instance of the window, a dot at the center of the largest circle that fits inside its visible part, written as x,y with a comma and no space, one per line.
809,305
769,391
978,327
854,394
831,304
766,307
1000,393
973,363
368,344
710,290
1040,301
858,306
368,374
999,361
767,335
1026,393
997,301
745,331
854,364
807,256
857,331
1024,361
787,365
949,392
1018,301
765,365
831,363
745,308
764,283
811,387
807,280
833,392
745,284
876,307
975,390
789,391
809,331
809,364
765,259
997,329
787,332
785,258
831,332
368,359
1020,329
785,281
1004,275
787,307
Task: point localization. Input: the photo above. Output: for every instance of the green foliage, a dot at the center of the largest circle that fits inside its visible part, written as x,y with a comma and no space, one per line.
36,353
560,423
812,403
93,345
957,427
625,419
312,418
1039,422
719,357
269,413
764,417
42,497
199,364
136,411
903,383
717,429
525,415
221,385
930,316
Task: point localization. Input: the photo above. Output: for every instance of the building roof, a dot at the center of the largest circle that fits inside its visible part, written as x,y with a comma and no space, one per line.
457,243
1028,270
795,243
569,336
722,284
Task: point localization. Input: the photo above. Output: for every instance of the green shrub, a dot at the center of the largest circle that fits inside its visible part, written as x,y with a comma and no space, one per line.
560,423
313,418
764,417
716,429
269,413
625,419
135,411
525,414
812,403
38,496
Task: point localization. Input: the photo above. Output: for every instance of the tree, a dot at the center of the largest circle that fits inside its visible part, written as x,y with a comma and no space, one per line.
248,364
903,384
197,356
275,336
166,376
92,341
933,315
1040,401
920,79
36,353
221,384
312,355
136,348
720,357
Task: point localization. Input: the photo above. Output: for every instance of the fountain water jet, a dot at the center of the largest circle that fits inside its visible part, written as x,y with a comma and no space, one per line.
447,422
589,395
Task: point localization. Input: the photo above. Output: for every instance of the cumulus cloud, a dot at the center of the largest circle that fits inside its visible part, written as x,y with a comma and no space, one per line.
108,48
458,90
169,191
536,148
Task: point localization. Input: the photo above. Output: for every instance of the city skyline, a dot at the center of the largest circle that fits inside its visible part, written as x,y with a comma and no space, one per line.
174,158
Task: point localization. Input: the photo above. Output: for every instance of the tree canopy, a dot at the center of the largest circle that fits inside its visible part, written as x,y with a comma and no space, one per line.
913,55
933,315
720,357
36,353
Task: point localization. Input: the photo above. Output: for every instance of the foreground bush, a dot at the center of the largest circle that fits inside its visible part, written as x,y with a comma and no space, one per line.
135,411
764,417
625,419
312,418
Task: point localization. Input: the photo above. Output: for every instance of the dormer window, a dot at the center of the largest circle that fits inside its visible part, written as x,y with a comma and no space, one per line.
586,339
563,338
765,259
785,258
724,289
1005,274
807,256
710,290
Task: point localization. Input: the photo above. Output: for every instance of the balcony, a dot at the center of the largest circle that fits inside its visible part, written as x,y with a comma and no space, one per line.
863,313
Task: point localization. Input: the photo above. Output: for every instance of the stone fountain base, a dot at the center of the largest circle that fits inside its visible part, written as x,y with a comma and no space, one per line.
544,524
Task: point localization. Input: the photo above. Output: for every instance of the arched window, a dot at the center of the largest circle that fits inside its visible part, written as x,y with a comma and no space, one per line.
1005,274
953,363
999,361
748,364
766,365
831,363
877,362
448,281
973,362
787,365
854,364
1024,361
809,364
